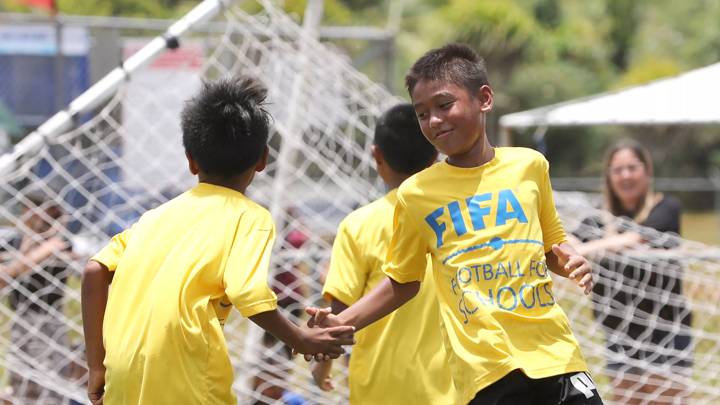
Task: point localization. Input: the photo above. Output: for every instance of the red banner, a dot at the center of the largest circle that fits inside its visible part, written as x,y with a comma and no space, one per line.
46,4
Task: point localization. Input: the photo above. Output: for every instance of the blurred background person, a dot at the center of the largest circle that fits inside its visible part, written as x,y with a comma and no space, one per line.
638,295
35,267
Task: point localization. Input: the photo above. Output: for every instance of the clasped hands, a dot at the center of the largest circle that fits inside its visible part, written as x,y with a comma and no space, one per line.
324,318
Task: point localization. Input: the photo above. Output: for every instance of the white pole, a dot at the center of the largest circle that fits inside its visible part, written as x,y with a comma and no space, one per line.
107,86
291,134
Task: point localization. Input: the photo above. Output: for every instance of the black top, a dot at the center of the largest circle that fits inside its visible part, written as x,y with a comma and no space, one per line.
665,216
642,287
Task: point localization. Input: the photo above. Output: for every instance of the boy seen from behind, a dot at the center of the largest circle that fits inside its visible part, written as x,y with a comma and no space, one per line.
487,218
157,337
405,346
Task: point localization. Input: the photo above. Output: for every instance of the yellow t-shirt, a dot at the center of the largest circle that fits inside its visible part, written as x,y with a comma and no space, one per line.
401,358
178,272
487,229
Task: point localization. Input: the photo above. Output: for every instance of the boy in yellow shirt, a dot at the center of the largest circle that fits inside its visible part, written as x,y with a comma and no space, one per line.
157,337
407,344
487,218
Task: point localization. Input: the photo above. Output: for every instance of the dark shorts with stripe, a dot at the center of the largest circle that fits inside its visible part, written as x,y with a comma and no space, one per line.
518,389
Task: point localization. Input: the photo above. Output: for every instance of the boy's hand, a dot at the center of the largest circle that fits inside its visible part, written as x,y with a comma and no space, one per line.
96,386
320,317
327,341
578,267
321,375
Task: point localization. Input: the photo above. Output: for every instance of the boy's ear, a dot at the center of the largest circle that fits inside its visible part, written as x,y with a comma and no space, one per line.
377,155
192,164
486,97
260,166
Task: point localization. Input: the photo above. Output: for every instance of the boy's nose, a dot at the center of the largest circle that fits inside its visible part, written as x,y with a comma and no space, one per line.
434,121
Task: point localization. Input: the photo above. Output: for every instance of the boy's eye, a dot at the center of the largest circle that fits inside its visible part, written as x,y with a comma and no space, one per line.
421,115
446,105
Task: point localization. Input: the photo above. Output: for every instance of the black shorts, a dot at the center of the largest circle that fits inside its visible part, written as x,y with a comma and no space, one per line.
518,389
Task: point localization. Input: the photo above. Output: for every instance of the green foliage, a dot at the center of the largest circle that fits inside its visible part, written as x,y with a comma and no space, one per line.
499,30
538,52
334,11
624,15
647,70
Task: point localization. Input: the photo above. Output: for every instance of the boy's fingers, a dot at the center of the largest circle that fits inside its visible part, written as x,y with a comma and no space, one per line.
574,262
345,340
308,357
560,252
338,331
321,315
579,272
335,349
312,311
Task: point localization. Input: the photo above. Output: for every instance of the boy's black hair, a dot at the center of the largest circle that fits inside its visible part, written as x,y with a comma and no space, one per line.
454,63
399,138
225,127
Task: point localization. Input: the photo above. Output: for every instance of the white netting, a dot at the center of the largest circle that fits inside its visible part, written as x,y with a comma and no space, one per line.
651,330
127,158
96,179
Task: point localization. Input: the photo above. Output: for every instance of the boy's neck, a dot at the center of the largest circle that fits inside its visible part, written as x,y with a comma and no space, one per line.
479,154
393,180
238,183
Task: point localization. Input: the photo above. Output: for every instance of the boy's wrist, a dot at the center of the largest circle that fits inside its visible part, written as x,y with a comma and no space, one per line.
298,339
344,319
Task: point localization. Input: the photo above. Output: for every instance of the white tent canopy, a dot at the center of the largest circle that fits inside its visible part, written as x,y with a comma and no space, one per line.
689,98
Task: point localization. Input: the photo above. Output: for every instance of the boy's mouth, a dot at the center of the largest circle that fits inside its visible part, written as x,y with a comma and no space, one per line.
443,133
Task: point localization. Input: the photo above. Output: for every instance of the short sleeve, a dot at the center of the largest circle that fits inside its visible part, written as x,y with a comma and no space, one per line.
407,254
348,271
246,272
552,228
110,255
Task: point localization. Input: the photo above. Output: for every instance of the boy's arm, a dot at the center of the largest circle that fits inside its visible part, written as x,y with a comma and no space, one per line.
388,296
321,369
94,293
305,340
565,261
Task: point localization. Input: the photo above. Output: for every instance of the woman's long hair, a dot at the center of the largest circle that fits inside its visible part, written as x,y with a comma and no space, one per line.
611,201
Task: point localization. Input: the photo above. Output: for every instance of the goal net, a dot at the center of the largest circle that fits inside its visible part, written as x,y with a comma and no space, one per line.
650,329
67,194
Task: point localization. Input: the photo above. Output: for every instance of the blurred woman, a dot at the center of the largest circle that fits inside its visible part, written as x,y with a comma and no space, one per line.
638,294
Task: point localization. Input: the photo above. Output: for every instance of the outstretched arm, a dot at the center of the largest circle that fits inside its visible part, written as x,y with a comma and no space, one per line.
612,243
388,296
94,293
305,340
32,255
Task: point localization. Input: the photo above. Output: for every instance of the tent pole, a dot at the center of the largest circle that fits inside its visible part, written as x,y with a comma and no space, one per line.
505,136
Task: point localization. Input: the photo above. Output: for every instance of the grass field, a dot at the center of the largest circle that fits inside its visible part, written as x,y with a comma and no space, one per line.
702,227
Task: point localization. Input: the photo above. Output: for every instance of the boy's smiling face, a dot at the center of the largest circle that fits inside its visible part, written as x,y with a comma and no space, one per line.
450,117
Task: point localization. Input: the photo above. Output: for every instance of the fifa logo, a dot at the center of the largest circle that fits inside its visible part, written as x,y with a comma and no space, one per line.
507,208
